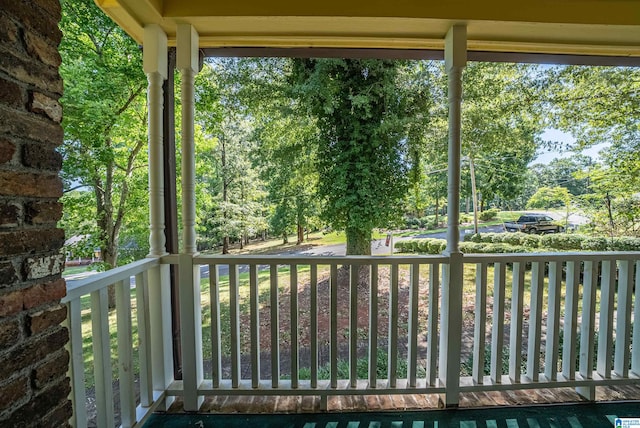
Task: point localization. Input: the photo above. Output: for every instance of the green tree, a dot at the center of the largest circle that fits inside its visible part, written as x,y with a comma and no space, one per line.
104,122
362,144
550,197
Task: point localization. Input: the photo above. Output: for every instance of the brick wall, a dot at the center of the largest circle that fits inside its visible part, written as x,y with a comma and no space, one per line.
33,359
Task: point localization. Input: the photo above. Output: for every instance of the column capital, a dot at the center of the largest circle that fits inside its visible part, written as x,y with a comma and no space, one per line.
455,48
187,53
154,54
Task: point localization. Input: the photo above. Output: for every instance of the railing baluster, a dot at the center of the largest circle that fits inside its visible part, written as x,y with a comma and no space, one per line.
333,326
515,335
553,322
373,327
393,326
293,316
102,357
497,332
432,330
214,299
412,352
587,328
125,354
79,396
623,318
605,330
635,345
535,321
354,271
480,323
144,338
275,326
570,321
234,316
254,296
314,325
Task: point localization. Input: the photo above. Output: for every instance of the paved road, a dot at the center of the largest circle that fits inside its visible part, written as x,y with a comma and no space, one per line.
377,248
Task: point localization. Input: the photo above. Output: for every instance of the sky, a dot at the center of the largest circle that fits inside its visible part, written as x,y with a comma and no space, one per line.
547,156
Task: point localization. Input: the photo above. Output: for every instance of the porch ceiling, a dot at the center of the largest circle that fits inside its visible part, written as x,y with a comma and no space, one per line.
575,27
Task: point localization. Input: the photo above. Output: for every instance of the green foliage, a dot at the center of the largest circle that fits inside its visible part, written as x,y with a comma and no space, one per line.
550,197
489,214
104,124
554,241
361,142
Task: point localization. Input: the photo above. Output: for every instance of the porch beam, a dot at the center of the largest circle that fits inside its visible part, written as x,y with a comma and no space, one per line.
450,339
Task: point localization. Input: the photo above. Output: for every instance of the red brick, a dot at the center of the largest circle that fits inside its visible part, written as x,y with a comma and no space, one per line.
8,274
29,184
30,352
44,293
41,21
11,94
50,398
9,215
31,72
38,212
10,333
28,125
38,47
60,416
7,149
51,370
32,240
13,391
43,320
45,158
11,303
8,30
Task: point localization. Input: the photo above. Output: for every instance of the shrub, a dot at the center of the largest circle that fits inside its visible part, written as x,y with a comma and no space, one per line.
489,214
594,243
625,244
563,241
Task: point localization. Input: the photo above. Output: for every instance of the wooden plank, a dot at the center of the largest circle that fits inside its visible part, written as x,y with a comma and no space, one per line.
480,322
102,357
293,317
635,350
314,325
497,331
333,326
570,321
214,300
254,303
275,325
605,335
587,327
535,320
125,354
432,330
353,324
144,339
412,351
76,369
623,318
373,327
515,335
553,322
234,318
393,328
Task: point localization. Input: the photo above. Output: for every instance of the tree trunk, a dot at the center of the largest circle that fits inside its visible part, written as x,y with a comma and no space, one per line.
300,234
358,242
225,245
109,255
437,208
285,238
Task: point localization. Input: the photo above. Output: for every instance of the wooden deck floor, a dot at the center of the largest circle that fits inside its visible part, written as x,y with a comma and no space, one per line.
377,403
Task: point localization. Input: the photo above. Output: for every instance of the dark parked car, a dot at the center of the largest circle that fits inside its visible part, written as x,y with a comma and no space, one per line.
534,223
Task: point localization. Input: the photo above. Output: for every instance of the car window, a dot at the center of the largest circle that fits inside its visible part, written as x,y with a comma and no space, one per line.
548,218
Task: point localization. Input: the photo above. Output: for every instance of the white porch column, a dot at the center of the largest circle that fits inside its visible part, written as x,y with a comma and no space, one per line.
155,67
451,326
190,315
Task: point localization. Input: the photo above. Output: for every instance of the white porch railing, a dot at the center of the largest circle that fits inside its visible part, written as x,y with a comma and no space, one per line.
326,326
